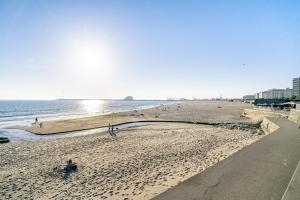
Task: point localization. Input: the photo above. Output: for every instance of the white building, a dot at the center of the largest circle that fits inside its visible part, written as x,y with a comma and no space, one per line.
257,96
265,95
275,94
262,95
288,93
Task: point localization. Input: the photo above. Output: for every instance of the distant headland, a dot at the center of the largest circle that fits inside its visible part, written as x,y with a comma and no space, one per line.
128,98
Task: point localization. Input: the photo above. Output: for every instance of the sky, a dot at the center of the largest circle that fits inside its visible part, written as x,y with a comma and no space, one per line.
149,49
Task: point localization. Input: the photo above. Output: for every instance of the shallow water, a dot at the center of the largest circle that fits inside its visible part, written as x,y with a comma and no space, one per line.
17,112
23,113
16,135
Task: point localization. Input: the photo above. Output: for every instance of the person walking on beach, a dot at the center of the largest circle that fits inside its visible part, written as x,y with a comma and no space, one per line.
109,128
112,131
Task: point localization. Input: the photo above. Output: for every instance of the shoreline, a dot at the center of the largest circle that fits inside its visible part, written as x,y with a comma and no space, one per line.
61,118
249,125
173,112
24,119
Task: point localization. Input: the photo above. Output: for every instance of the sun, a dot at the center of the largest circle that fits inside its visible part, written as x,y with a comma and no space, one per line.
91,56
91,60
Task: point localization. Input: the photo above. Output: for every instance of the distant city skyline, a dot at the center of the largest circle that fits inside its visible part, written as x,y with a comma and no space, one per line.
147,49
274,93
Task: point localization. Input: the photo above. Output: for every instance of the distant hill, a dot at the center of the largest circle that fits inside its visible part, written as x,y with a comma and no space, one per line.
128,98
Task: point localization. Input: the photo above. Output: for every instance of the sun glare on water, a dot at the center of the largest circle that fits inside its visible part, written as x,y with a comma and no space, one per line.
92,106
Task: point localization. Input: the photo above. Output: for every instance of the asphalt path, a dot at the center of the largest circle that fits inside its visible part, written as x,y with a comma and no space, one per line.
261,171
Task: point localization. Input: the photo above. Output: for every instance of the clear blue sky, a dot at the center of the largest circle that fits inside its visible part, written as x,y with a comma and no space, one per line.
148,49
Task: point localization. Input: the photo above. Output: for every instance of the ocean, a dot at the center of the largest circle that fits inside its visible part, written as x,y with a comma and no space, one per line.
24,112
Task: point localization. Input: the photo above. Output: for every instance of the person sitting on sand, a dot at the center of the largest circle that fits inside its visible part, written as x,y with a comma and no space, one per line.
70,167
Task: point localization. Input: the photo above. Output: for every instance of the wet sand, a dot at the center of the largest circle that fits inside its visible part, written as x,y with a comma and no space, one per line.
193,111
139,164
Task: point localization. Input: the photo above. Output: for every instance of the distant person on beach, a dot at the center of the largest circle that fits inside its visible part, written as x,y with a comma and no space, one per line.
112,131
36,120
70,167
109,128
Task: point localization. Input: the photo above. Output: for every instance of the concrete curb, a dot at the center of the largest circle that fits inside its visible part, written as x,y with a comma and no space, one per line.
268,126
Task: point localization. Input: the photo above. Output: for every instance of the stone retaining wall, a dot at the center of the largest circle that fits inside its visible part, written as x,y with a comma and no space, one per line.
295,116
259,115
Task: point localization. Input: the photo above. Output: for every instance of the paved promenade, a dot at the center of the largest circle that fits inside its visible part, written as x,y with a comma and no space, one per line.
264,170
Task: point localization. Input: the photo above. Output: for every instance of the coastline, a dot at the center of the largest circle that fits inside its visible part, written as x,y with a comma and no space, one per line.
175,111
62,111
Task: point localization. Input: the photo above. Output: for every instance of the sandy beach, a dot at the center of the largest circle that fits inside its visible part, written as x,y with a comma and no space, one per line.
139,164
193,111
131,100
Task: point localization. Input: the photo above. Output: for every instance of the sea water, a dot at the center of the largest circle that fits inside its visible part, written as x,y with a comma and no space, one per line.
24,112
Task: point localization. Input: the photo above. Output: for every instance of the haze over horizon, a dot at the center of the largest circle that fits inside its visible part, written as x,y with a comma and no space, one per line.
146,49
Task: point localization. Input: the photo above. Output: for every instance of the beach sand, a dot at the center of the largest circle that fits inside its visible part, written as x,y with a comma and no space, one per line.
193,111
139,164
